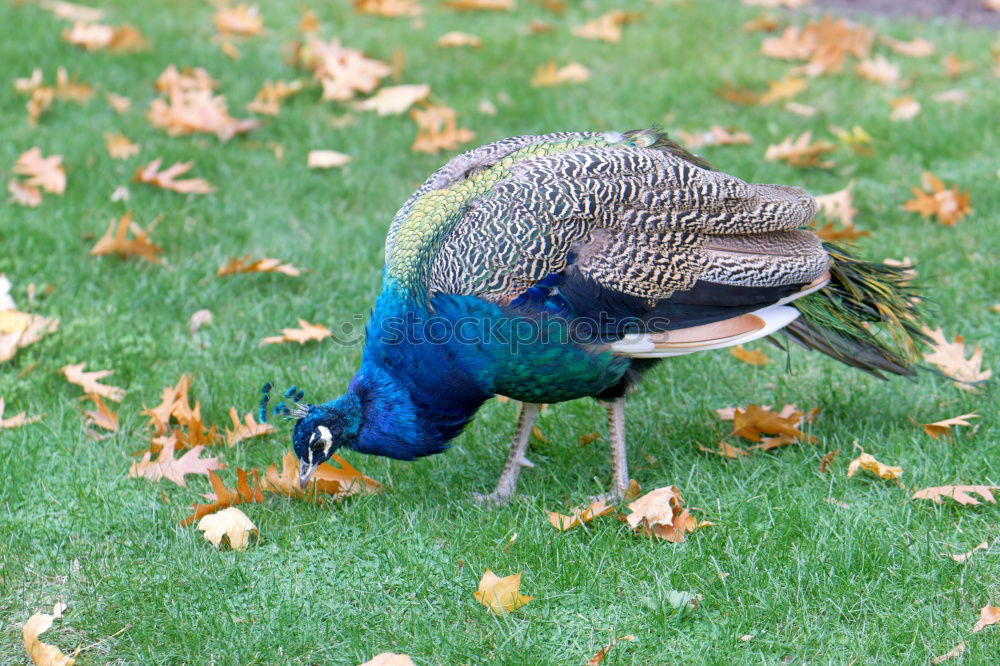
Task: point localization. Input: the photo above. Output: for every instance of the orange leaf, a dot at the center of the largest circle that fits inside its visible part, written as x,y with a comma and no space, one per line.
270,96
17,420
326,480
950,359
939,428
580,515
103,417
867,462
89,381
549,75
903,108
245,492
117,241
394,100
302,335
457,39
174,400
752,422
800,152
437,129
263,265
725,450
480,5
661,513
388,8
961,494
824,464
603,652
948,205
41,653
751,357
44,172
607,27
341,71
119,147
173,469
151,175
242,20
786,88
987,615
250,428
96,36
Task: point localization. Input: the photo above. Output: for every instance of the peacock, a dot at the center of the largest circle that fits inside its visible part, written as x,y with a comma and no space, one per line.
552,267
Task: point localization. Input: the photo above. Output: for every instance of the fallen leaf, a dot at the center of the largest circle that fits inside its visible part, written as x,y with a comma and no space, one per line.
230,523
188,78
867,462
962,557
326,159
661,513
579,515
803,110
70,11
987,615
737,94
830,232
457,39
954,66
44,172
838,205
338,482
603,652
89,381
939,428
242,20
949,357
166,179
174,404
607,27
341,71
17,420
389,659
394,100
903,108
173,469
116,241
41,653
102,418
750,357
121,193
550,75
487,107
823,44
262,265
755,420
589,438
19,330
270,96
784,89
189,110
388,8
119,147
303,334
437,129
961,494
119,103
761,23
198,319
97,37
308,22
800,152
951,654
878,70
824,463
500,595
916,48
949,205
480,5
224,497
24,195
725,450
249,428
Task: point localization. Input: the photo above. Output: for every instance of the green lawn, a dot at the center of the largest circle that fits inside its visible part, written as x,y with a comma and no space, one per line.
810,581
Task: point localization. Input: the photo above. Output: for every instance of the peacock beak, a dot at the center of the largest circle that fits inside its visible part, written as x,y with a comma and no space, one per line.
305,472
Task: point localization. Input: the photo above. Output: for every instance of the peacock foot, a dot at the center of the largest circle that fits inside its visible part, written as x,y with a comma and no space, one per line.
493,500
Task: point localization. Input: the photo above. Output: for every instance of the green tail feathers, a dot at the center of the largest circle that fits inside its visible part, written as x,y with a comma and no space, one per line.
866,317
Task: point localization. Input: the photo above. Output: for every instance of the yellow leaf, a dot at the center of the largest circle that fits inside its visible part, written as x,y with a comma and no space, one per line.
480,5
230,523
549,75
750,357
867,462
501,595
944,427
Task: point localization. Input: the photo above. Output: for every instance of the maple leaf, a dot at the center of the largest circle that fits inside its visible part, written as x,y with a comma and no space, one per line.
326,480
243,20
750,357
500,595
579,515
166,179
326,159
457,39
262,265
725,450
917,48
24,195
603,652
270,96
867,462
44,172
437,129
944,427
186,111
394,100
19,329
173,469
661,513
752,422
715,136
550,75
786,88
41,653
962,557
878,70
103,417
903,108
987,615
961,494
249,428
948,205
388,8
799,152
75,374
230,523
950,359
302,335
389,659
247,490
480,5
119,147
116,241
827,459
17,420
607,27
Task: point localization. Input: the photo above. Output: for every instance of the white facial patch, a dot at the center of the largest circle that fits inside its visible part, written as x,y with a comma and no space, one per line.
327,437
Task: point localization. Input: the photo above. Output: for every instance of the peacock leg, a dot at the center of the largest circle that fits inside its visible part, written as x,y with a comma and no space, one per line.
619,458
515,458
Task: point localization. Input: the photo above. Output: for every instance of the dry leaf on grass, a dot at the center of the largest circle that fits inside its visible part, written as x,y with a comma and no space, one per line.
949,205
661,513
784,89
116,241
70,11
725,450
340,70
944,427
878,70
588,438
119,146
607,27
75,374
437,129
246,491
987,615
824,44
246,430
244,264
41,653
302,335
43,172
198,319
480,5
962,557
800,152
24,195
949,357
41,96
950,654
166,179
756,420
326,159
17,420
749,356
827,459
230,523
838,205
903,108
98,37
500,595
457,39
550,75
388,8
119,103
580,515
270,96
20,329
173,469
394,100
867,462
242,20
326,480
714,136
103,417
953,96
916,48
603,652
389,659
857,138
961,494
954,66
186,111
830,232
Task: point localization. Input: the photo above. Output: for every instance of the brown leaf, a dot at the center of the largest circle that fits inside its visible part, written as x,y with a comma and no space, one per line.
166,179
394,100
243,20
173,469
262,265
987,615
97,37
173,402
270,96
116,241
189,110
878,70
249,428
302,335
824,464
916,48
341,71
119,103
44,654
500,595
950,654
245,492
607,27
603,652
19,329
785,89
457,39
389,659
580,515
761,23
752,422
70,11
838,205
830,232
661,513
89,381
550,75
961,494
588,438
437,129
750,357
939,428
948,205
326,159
230,523
949,357
954,66
800,152
824,44
962,557
44,172
480,5
103,417
326,480
188,78
119,147
388,8
867,462
17,420
725,450
903,108
737,94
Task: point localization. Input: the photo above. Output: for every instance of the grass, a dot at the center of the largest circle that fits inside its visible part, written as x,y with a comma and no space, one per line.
810,581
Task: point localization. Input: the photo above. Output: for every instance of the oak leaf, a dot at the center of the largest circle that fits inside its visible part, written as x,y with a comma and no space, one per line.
270,96
16,421
44,172
944,427
867,462
167,179
186,111
500,595
961,494
263,265
103,417
326,159
916,48
607,27
949,357
243,20
24,195
801,152
661,513
173,404
187,78
903,108
246,430
457,39
44,654
394,100
824,44
173,469
230,523
962,557
119,146
75,374
389,659
116,241
579,515
302,335
725,450
838,205
437,129
749,356
246,491
987,615
948,205
326,480
388,8
830,232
